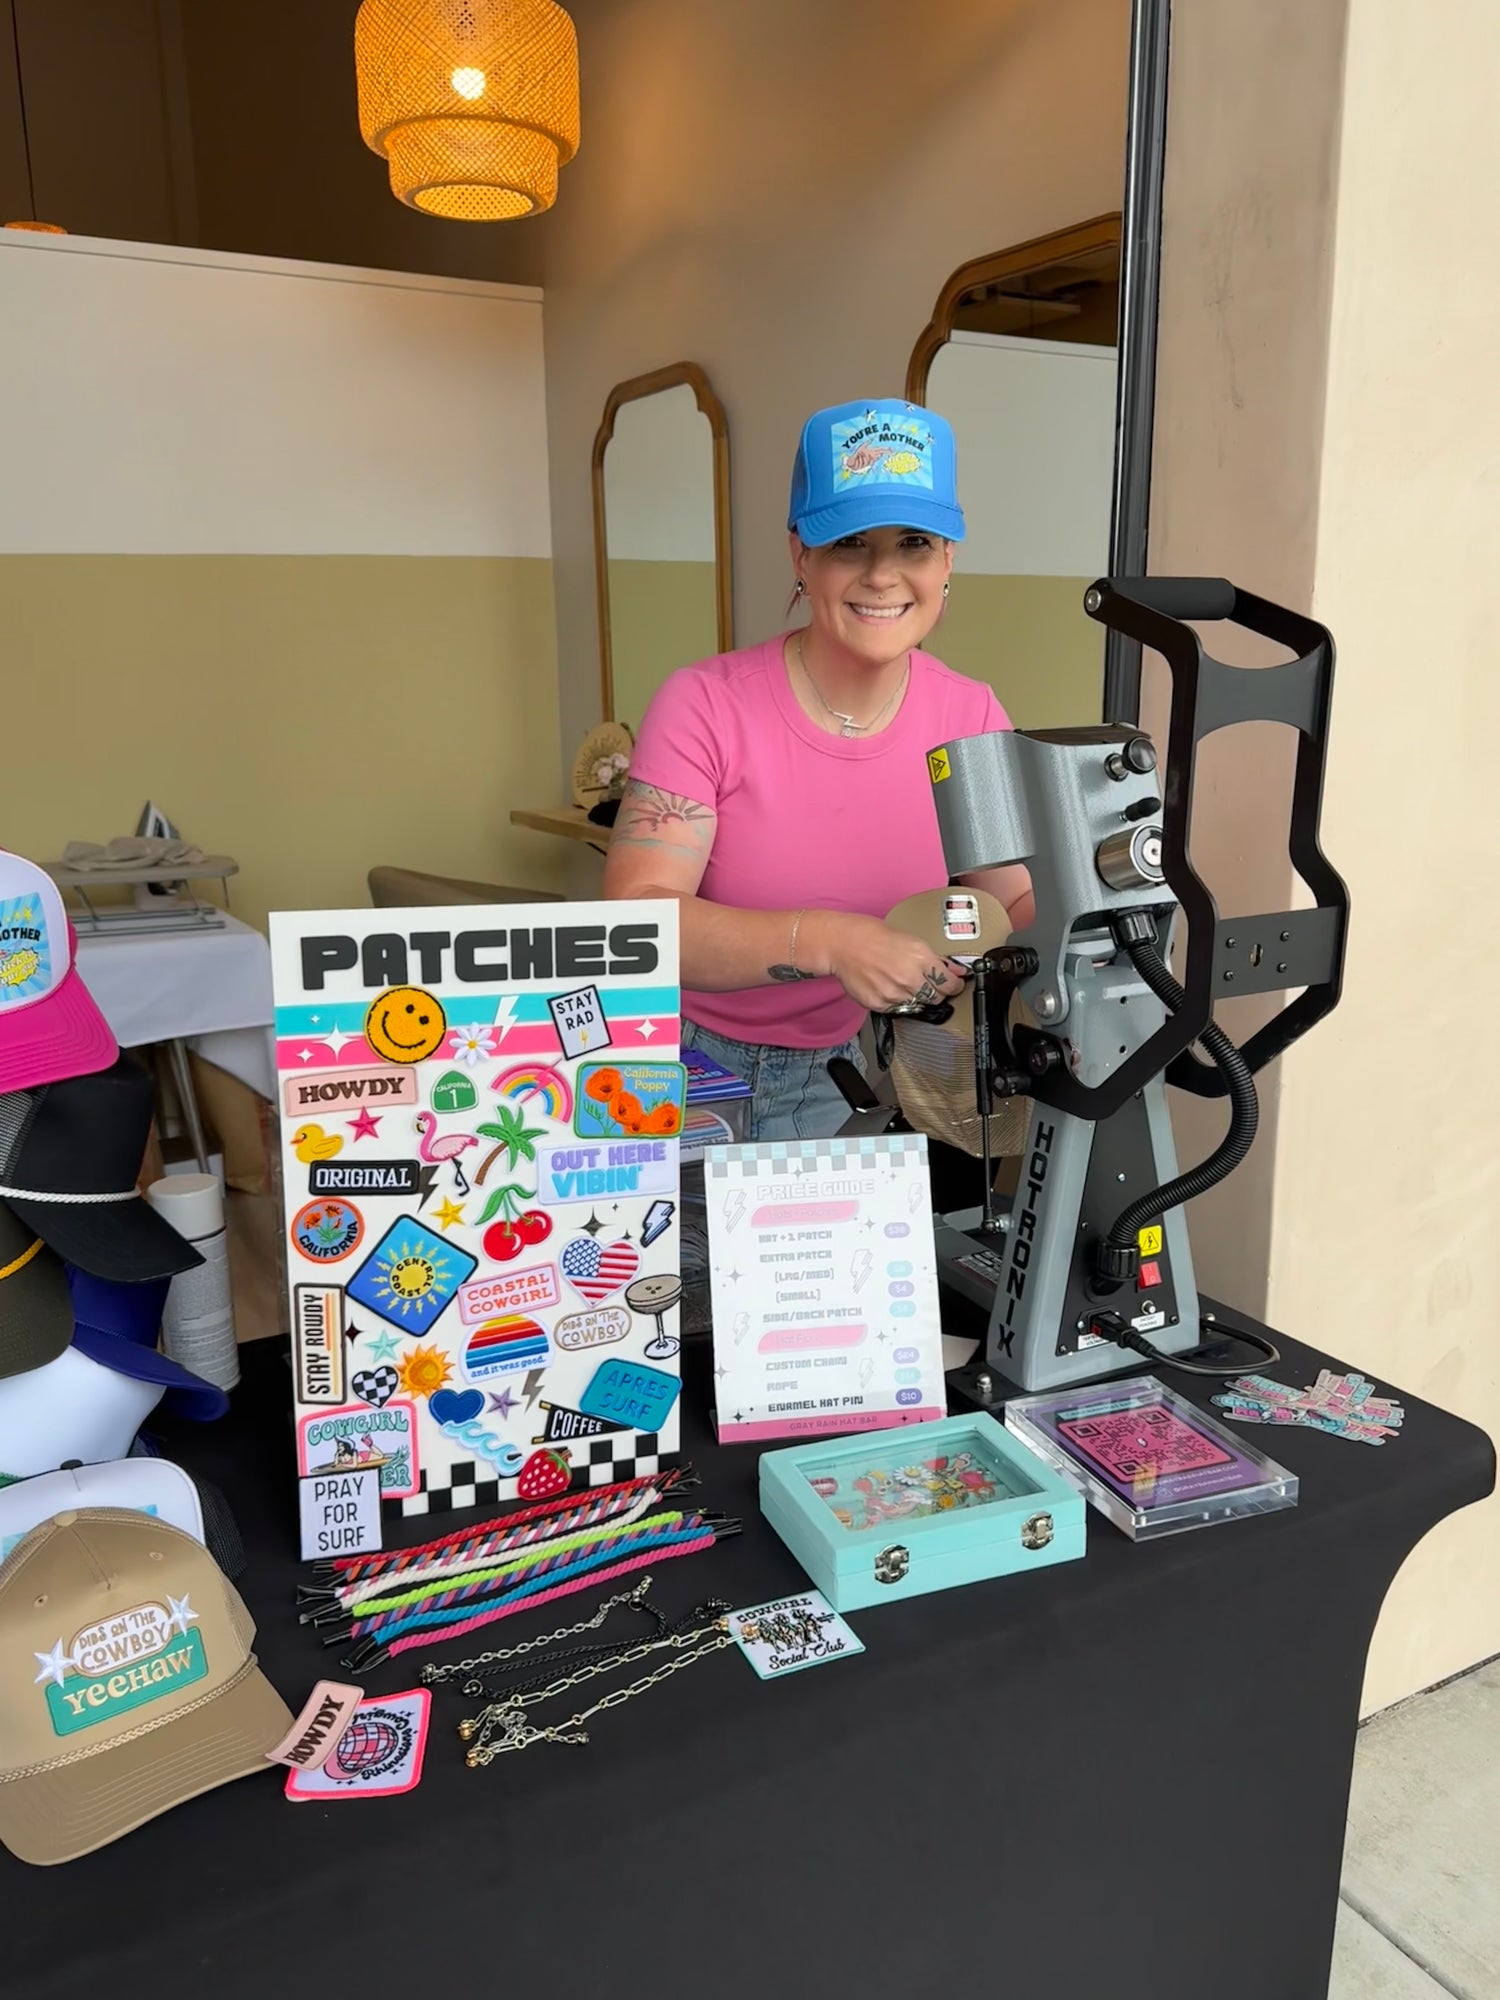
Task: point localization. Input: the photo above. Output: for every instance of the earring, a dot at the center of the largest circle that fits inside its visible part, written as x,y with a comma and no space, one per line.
801,587
945,590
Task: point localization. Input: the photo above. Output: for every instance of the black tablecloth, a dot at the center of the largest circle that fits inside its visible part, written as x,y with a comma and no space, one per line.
1125,1776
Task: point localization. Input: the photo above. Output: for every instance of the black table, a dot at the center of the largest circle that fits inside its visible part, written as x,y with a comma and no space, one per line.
1123,1777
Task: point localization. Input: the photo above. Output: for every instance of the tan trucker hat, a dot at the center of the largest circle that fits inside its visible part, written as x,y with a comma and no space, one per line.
127,1683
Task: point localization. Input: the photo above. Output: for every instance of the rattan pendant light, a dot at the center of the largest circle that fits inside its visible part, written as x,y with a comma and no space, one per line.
473,102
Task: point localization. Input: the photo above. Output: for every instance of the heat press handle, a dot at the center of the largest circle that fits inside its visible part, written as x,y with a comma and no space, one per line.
1200,597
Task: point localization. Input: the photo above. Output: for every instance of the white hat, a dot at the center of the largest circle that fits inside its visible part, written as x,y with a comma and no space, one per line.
145,1485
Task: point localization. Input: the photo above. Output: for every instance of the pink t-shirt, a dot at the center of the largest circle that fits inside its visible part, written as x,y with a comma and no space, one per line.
806,819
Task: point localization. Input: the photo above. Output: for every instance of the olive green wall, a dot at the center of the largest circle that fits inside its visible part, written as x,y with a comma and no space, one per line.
310,715
1028,637
661,616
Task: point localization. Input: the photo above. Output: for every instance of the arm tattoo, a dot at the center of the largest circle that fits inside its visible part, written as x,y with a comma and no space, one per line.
786,974
648,812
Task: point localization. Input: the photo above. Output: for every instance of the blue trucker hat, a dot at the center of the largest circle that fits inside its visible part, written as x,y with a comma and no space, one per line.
882,464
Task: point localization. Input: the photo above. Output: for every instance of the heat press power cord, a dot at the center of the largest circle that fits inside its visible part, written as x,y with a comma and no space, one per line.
1137,935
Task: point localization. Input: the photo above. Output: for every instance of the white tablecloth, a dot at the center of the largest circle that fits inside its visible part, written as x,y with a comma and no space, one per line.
211,989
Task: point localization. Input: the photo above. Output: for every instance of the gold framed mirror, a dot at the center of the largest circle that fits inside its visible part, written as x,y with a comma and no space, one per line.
662,559
1020,355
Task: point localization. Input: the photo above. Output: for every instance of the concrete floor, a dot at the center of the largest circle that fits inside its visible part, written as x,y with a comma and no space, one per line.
1420,1916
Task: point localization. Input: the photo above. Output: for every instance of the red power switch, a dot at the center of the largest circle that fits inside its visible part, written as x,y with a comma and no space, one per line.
1149,1278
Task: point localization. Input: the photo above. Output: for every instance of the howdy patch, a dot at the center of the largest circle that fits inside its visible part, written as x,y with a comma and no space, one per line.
121,1663
882,451
330,1090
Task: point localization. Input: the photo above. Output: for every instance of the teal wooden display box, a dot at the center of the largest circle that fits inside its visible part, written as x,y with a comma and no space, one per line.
891,1514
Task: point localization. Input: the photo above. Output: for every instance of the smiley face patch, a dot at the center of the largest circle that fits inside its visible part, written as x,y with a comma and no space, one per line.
406,1025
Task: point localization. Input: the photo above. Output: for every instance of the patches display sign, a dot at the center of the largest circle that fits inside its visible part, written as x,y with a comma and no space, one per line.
480,1119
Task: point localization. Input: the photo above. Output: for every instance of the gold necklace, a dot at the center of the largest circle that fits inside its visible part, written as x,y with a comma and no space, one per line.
847,725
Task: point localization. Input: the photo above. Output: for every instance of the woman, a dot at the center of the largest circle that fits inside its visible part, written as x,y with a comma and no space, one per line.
781,792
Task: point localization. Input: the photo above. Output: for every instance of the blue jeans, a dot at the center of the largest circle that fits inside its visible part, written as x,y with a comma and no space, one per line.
794,1096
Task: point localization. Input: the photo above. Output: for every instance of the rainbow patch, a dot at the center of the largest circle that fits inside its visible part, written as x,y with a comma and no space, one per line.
534,1082
505,1346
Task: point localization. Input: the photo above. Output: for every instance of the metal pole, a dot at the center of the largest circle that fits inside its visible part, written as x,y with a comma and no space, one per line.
1140,281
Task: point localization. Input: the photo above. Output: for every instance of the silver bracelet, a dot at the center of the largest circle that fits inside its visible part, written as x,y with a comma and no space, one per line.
790,971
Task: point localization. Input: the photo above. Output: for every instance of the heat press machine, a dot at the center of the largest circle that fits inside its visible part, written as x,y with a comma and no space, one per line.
1088,1269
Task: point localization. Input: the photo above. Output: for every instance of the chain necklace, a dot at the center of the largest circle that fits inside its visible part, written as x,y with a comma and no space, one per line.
517,1734
847,725
435,1676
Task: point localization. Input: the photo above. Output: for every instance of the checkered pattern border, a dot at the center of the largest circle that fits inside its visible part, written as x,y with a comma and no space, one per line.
794,1156
596,1461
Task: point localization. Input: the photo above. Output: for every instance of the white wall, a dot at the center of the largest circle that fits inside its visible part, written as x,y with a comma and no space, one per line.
181,402
659,480
1035,426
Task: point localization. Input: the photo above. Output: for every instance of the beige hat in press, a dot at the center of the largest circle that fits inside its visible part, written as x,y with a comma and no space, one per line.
127,1683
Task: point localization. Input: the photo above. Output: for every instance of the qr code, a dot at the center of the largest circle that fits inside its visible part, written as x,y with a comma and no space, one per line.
1147,1444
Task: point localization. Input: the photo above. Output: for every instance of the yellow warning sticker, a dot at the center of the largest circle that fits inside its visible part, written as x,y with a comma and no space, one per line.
1150,1242
938,766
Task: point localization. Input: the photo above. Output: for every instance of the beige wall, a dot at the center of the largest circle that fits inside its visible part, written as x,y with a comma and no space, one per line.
1408,527
1243,331
1323,439
310,715
778,193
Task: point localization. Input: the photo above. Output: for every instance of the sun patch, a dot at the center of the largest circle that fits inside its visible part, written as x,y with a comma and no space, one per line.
410,1276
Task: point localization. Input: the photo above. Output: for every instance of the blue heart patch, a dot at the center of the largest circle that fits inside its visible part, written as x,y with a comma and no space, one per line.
453,1406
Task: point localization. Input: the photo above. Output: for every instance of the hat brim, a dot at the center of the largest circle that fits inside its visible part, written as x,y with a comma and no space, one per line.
124,1240
64,1035
183,1393
57,1815
879,507
36,1314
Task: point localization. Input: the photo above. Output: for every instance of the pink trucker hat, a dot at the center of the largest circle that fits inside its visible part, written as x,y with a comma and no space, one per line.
50,1027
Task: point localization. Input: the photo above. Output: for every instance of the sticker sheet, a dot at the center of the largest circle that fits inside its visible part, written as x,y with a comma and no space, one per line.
481,1111
824,1281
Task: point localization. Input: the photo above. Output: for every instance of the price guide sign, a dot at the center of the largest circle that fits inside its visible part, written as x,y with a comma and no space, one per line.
825,1303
